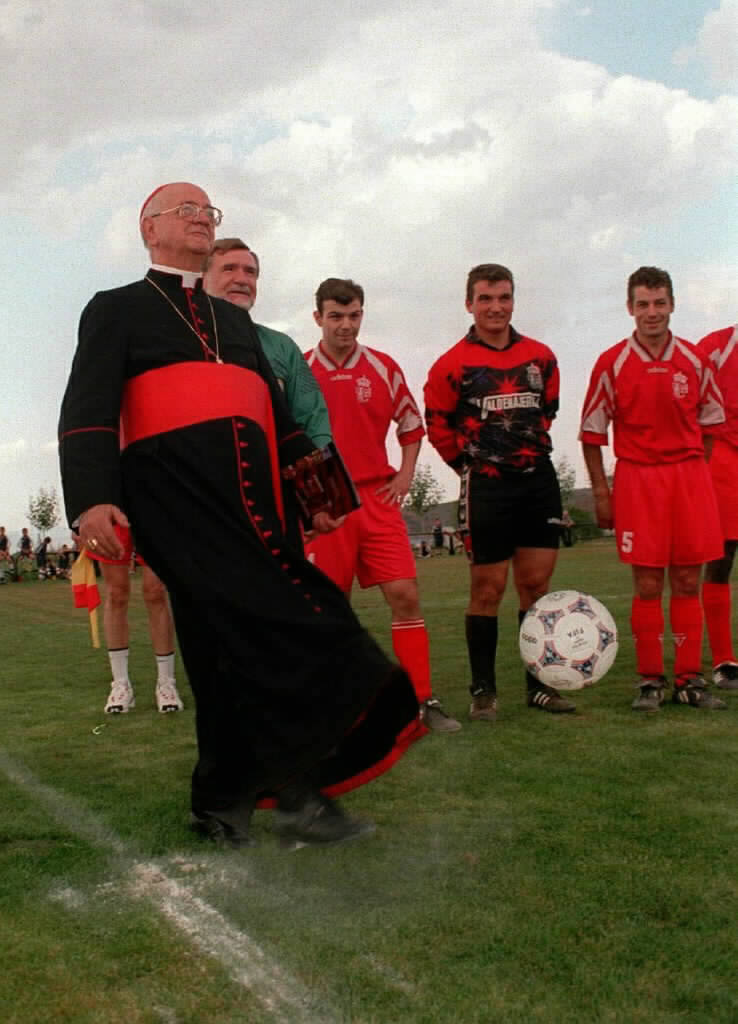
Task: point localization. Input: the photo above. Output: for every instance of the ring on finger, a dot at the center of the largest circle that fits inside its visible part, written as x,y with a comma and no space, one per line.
92,543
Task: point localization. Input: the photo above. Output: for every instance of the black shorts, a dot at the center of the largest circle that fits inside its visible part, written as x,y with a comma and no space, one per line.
513,510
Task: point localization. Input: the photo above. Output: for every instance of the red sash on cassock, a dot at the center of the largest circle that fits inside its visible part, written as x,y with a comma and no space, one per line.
184,394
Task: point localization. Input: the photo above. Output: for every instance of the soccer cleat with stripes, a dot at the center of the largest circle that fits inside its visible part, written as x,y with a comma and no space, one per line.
725,676
692,690
167,697
651,695
120,699
545,698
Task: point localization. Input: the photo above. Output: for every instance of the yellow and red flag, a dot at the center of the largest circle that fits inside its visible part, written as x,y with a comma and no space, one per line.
85,592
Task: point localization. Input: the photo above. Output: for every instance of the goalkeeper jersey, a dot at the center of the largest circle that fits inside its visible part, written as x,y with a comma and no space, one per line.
493,408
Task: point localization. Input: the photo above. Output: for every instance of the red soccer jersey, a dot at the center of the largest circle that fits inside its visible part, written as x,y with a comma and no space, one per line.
659,407
493,407
364,396
721,349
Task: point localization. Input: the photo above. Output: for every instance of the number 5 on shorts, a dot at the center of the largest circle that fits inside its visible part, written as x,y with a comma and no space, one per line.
626,542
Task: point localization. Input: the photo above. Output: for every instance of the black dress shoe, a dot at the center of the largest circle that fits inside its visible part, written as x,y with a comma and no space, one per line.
318,822
220,831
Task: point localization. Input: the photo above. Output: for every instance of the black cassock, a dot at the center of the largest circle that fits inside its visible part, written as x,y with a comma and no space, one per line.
284,677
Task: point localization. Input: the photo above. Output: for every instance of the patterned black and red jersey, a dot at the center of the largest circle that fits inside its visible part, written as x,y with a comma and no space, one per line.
493,408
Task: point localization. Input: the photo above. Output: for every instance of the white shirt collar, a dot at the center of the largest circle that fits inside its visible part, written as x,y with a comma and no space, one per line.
189,277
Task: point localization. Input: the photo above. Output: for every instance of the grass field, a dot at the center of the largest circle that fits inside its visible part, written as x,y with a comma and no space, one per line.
543,869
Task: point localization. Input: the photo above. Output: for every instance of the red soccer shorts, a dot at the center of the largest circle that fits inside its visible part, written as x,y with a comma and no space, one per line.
724,471
666,514
372,545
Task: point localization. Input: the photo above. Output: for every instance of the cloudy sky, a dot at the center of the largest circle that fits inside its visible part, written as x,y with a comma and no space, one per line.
395,143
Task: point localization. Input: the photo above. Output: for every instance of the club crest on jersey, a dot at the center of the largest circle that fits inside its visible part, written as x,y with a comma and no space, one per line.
680,385
535,377
363,389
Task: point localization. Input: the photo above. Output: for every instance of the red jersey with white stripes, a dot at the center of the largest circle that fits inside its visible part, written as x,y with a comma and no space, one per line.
721,349
364,396
659,408
493,408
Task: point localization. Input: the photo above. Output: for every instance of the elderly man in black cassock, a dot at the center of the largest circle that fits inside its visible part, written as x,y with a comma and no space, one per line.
173,423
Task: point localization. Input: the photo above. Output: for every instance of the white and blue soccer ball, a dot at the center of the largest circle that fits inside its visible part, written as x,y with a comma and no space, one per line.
568,640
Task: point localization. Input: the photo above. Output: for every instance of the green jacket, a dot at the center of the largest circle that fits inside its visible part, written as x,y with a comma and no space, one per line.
304,397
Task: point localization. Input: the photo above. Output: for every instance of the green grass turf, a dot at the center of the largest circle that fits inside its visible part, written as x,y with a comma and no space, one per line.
573,868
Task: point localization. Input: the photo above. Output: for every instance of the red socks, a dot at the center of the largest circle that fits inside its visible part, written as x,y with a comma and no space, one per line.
686,628
410,644
717,607
647,623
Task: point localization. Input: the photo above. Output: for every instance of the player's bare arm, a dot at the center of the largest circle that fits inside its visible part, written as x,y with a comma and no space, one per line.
600,488
396,489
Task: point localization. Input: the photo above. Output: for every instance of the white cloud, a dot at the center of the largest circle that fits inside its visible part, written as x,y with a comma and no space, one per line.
399,145
22,450
10,451
711,291
716,45
717,42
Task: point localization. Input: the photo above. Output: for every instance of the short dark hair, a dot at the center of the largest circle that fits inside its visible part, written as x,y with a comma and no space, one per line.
649,277
223,245
340,290
487,272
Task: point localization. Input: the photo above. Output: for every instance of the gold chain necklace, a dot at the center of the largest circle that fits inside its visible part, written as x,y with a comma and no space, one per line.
181,315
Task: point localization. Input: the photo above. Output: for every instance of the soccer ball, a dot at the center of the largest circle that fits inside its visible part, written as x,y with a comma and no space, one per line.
568,640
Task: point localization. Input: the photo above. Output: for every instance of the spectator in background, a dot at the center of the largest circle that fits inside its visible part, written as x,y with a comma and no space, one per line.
64,562
25,546
7,566
566,528
42,561
4,546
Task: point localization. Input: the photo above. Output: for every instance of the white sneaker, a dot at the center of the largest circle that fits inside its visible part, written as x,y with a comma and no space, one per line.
121,698
167,697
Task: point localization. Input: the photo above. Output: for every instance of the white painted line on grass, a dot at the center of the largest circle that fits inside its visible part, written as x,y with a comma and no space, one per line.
244,959
66,810
246,962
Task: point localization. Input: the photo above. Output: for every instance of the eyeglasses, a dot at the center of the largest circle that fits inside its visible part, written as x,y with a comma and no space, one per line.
214,215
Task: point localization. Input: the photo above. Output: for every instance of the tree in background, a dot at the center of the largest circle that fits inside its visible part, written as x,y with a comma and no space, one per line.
43,510
425,492
567,480
585,526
